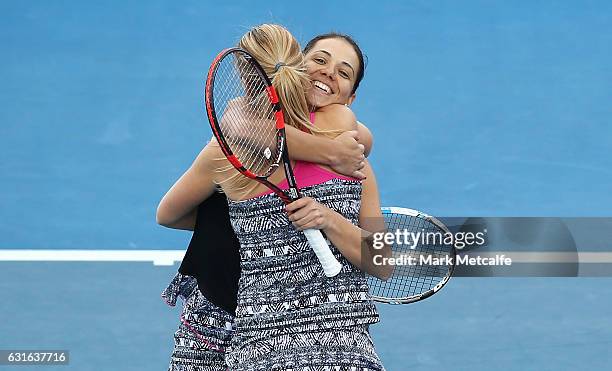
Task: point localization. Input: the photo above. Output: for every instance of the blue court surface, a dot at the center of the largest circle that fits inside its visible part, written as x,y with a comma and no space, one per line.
478,108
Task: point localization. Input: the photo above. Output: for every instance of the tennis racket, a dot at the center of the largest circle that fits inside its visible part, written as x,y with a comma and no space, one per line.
246,118
428,263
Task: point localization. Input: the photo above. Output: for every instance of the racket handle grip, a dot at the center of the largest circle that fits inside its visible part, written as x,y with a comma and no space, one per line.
331,266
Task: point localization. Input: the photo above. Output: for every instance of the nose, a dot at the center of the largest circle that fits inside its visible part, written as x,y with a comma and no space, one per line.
329,71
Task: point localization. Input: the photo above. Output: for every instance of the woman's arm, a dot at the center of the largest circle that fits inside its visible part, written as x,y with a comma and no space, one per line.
353,242
186,223
178,208
345,153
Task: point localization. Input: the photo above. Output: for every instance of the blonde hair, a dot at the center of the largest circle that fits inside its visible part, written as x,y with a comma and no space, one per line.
280,56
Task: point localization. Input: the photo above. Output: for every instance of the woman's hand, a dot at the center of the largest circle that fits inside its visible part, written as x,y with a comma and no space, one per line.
349,155
306,213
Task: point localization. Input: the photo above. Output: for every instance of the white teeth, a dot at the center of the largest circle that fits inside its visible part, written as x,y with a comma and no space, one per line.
322,86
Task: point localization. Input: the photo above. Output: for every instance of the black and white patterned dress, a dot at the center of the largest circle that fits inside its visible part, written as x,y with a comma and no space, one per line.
290,316
204,332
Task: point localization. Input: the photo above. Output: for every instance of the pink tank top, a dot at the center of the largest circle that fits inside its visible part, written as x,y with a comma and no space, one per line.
308,173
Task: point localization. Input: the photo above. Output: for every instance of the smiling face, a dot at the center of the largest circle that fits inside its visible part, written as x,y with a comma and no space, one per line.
333,66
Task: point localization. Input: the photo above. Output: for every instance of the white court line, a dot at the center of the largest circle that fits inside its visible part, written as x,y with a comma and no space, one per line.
157,257
170,257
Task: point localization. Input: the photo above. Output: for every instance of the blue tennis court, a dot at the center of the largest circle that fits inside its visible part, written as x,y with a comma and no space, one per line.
492,108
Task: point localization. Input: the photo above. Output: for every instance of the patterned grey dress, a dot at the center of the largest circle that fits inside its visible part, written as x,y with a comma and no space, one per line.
204,332
290,316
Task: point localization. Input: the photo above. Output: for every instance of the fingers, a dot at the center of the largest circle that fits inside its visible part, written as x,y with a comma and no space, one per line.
298,204
305,213
309,222
351,136
315,223
358,175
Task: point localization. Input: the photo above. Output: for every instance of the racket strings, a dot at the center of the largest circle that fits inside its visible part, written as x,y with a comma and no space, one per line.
234,124
247,116
256,107
422,267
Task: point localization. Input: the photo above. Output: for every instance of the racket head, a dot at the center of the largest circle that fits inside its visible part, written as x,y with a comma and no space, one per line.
412,283
245,114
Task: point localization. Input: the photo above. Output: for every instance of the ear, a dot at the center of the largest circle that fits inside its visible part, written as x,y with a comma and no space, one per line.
351,99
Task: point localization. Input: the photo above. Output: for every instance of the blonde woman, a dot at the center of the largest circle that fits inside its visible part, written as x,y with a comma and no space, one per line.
289,315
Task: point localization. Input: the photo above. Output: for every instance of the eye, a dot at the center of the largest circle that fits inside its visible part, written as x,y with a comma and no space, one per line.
344,74
319,60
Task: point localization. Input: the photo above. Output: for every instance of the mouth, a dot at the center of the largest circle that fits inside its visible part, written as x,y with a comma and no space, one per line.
322,87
